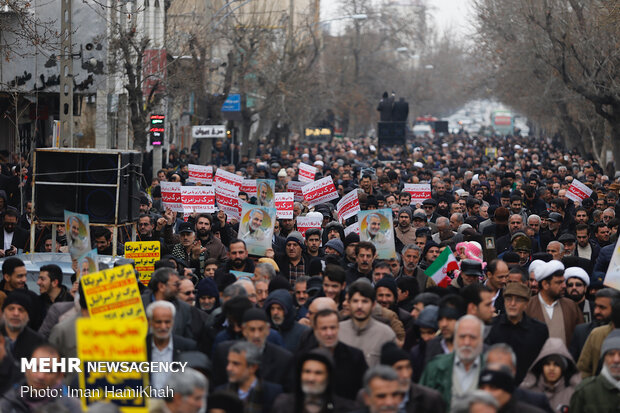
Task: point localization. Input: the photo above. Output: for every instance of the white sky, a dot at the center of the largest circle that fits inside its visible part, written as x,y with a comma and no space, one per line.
454,15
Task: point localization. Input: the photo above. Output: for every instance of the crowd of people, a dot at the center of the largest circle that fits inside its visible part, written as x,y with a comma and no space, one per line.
529,322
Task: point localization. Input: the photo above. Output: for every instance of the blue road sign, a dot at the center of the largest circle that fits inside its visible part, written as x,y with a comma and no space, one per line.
232,103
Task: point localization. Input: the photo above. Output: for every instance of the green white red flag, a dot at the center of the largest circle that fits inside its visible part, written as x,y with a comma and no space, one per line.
440,268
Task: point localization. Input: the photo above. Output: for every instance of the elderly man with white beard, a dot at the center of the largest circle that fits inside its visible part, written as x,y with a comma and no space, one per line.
314,389
456,374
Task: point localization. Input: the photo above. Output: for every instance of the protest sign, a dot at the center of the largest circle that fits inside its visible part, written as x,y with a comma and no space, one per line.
578,191
419,192
376,226
348,206
354,227
306,172
78,234
87,263
491,152
145,254
320,191
249,187
110,341
265,188
612,277
200,174
284,205
171,196
256,228
305,223
113,294
198,199
226,178
295,188
227,198
242,274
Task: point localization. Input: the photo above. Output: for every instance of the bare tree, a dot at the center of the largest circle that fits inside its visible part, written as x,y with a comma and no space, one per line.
569,44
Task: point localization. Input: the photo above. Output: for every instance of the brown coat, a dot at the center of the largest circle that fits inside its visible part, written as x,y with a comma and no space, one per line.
572,314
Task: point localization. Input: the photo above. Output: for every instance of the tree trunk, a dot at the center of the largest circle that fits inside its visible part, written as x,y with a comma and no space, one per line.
615,142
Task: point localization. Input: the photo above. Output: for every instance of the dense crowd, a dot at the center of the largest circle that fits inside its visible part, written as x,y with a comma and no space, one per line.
527,323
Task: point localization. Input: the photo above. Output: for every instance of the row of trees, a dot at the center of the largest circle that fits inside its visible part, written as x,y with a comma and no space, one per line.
557,62
293,74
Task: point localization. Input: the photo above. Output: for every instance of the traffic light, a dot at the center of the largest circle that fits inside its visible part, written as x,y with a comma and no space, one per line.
156,131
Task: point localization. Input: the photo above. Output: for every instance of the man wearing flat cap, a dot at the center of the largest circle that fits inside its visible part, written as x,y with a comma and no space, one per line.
550,306
601,393
522,333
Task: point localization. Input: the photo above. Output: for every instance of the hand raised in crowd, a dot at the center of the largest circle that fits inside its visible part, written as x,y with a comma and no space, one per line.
197,249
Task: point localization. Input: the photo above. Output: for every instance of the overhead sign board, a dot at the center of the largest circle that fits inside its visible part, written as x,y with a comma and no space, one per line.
232,103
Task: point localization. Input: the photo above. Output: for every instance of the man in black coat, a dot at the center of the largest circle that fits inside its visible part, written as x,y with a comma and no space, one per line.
515,328
314,384
275,360
15,313
420,398
19,235
349,362
14,279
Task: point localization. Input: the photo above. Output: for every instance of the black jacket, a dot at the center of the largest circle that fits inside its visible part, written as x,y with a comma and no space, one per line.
20,239
526,338
349,366
179,345
25,344
275,366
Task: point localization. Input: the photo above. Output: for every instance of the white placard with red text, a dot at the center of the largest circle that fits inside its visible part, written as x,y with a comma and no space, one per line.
225,177
171,196
349,205
305,223
198,198
227,198
320,191
355,227
306,172
295,188
419,192
284,205
578,191
249,187
200,174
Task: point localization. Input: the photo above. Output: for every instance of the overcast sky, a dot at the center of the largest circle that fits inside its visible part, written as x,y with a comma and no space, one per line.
448,14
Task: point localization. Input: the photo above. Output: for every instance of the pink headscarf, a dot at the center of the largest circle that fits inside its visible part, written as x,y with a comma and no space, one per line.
469,250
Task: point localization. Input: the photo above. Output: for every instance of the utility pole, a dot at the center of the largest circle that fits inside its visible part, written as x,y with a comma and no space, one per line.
66,74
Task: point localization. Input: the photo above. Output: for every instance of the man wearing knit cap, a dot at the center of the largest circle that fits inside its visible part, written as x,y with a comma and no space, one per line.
404,231
334,247
350,242
550,306
315,387
293,262
601,393
207,295
499,382
417,398
577,282
21,339
275,360
387,297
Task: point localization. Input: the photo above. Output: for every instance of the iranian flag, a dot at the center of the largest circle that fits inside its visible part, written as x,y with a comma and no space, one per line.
439,269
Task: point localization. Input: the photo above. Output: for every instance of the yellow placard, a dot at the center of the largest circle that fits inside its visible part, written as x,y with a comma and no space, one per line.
145,254
110,341
113,294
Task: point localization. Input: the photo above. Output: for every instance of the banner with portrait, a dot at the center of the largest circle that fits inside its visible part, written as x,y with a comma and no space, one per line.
265,188
256,228
78,234
87,263
376,226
